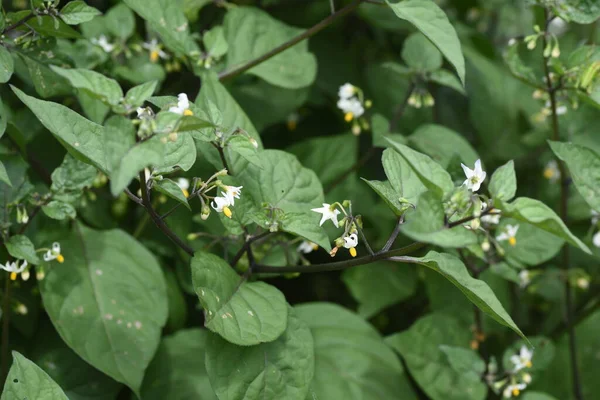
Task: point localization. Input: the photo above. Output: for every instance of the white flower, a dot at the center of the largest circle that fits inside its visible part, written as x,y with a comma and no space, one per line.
583,283
155,50
328,213
221,204
561,110
307,247
551,171
352,107
54,254
474,176
232,193
350,243
557,26
145,113
523,359
491,219
346,91
596,239
102,41
184,185
524,278
510,234
183,105
513,390
14,266
526,378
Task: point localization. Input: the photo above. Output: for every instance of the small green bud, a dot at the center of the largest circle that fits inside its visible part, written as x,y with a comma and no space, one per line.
339,242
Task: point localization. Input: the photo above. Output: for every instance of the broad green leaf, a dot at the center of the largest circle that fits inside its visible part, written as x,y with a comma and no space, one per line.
540,215
251,33
537,396
401,176
518,68
108,302
72,176
534,245
420,54
584,166
120,21
389,195
47,83
28,381
106,89
180,154
214,41
81,137
242,313
448,79
477,291
177,371
4,175
282,369
306,226
171,189
351,359
16,169
3,118
118,138
443,145
431,174
578,11
421,348
59,210
241,145
431,20
543,354
503,184
137,95
20,247
465,361
76,12
379,285
178,311
138,157
93,108
7,65
427,224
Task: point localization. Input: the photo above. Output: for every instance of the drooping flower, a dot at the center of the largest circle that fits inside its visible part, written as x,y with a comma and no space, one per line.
474,176
155,50
350,243
54,254
232,193
328,212
346,91
523,359
183,105
513,389
14,268
102,41
551,171
307,247
510,234
184,185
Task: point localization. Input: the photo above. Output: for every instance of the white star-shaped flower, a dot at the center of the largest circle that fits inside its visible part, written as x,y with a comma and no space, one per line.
183,105
221,204
510,234
328,213
14,266
307,247
54,254
155,50
350,242
474,176
523,359
513,390
351,106
346,91
102,41
232,193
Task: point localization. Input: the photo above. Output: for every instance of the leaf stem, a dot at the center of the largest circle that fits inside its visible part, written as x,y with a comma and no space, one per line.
18,23
223,159
401,108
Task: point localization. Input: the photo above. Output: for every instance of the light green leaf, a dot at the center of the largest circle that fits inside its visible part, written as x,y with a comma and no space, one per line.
538,214
214,42
47,83
4,175
7,65
443,145
584,166
241,145
503,184
420,54
47,26
118,138
379,285
282,369
28,381
518,68
351,360
171,189
180,154
389,195
306,226
137,95
534,245
72,176
422,347
108,302
20,247
81,137
242,313
245,30
106,89
448,79
477,291
431,20
537,396
431,174
76,12
138,157
401,176
120,21
93,108
465,361
578,11
177,371
59,210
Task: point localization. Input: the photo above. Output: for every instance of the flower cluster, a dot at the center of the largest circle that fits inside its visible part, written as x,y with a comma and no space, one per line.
349,240
54,254
226,199
516,379
352,103
14,268
155,50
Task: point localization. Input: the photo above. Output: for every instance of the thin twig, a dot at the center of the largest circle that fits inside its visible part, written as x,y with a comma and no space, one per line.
390,242
223,159
365,241
133,197
18,23
401,107
362,161
304,35
246,247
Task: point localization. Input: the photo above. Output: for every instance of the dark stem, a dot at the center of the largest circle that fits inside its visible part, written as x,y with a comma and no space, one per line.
362,161
146,202
246,247
478,334
394,235
223,159
133,197
564,196
5,328
18,23
400,110
304,35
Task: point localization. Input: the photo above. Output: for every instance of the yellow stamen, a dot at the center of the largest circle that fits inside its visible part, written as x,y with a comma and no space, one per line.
348,116
13,276
548,173
512,241
60,258
227,212
315,246
353,251
185,193
516,392
528,364
291,125
188,112
154,56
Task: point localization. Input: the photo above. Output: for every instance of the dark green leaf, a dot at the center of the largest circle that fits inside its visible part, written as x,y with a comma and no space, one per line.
7,65
171,189
76,12
28,381
503,184
20,247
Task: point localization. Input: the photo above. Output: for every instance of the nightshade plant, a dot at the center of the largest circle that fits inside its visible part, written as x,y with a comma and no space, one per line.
315,199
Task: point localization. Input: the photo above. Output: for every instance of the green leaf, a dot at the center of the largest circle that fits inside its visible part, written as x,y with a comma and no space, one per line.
282,369
214,42
177,371
443,145
401,176
420,54
389,195
431,20
306,226
518,68
477,291
465,361
245,29
120,21
137,95
4,175
537,396
543,354
534,245
241,145
48,26
180,154
138,157
171,189
108,302
431,174
59,210
242,313
20,247
379,285
422,347
28,381
503,185
584,166
47,83
351,360
81,137
72,176
92,107
578,11
448,79
76,12
106,89
118,138
538,214
7,65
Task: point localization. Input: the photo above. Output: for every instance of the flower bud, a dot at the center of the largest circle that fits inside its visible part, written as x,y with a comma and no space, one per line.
333,251
222,172
274,227
339,242
475,224
205,213
192,236
253,142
